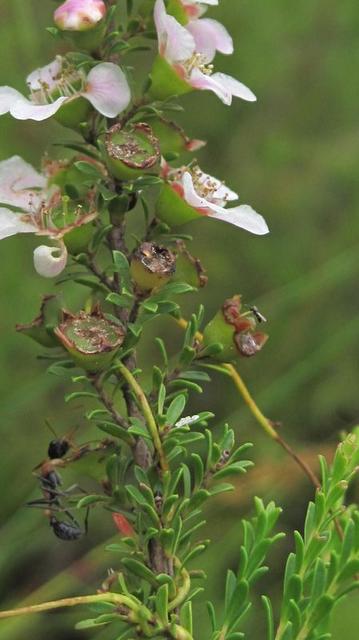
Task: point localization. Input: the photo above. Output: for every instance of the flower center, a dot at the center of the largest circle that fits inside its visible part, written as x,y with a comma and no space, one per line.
204,185
197,61
68,82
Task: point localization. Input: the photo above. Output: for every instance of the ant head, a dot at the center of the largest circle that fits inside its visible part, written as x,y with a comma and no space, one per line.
57,449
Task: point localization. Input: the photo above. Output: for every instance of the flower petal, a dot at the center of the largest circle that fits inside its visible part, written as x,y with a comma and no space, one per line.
17,179
210,36
107,89
199,80
243,216
46,264
8,96
24,109
176,44
11,224
46,75
234,87
190,195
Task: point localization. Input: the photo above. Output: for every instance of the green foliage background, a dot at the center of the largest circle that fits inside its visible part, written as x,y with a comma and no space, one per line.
294,157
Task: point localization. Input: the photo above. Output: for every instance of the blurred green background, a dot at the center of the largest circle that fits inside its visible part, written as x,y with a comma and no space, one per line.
294,156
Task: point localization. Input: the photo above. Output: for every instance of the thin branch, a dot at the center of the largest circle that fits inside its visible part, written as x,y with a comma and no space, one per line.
265,423
146,411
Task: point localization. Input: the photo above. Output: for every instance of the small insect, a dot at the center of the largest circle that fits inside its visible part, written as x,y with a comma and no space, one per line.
68,531
259,316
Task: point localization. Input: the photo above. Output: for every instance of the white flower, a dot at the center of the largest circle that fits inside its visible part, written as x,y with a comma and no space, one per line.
34,210
209,197
189,49
105,87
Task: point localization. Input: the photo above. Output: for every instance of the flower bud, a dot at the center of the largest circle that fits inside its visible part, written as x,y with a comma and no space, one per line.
129,152
235,331
152,266
84,20
79,15
41,329
91,339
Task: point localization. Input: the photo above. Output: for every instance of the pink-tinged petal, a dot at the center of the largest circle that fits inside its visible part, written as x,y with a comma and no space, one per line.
107,89
176,44
18,179
8,96
195,144
194,9
24,109
243,216
199,80
45,76
11,224
210,36
190,195
79,15
234,87
48,265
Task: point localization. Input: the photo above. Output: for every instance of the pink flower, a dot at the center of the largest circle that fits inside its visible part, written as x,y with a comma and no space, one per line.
33,210
79,15
188,50
209,197
105,87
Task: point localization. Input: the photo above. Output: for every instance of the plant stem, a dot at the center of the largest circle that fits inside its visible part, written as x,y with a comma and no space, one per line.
147,413
264,422
114,598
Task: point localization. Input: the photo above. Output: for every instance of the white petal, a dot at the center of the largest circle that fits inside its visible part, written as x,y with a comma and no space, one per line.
234,87
107,89
243,216
48,265
190,194
200,80
176,44
45,75
8,96
23,109
210,36
17,181
11,224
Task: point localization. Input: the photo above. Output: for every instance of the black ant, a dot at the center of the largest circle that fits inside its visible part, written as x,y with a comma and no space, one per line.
68,531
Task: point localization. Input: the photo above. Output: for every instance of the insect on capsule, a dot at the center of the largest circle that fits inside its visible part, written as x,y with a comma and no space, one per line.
258,315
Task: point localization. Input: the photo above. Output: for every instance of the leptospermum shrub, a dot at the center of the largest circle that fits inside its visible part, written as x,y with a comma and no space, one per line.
159,464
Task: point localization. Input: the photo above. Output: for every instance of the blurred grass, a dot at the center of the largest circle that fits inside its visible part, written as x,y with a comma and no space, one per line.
293,156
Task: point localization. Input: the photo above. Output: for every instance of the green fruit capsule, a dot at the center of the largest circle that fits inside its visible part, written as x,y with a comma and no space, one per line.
235,331
129,152
91,339
152,266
